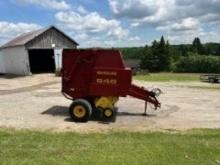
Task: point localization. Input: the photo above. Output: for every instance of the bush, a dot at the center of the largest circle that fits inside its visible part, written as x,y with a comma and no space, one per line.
198,64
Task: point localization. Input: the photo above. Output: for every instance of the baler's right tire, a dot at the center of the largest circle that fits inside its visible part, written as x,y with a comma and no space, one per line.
108,113
80,110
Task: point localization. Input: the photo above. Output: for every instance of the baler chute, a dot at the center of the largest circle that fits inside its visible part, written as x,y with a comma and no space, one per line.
95,79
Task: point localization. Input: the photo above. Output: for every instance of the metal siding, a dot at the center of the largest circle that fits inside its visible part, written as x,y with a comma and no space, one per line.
16,60
2,67
46,39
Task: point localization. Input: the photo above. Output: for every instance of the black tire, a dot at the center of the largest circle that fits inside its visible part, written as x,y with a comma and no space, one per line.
108,113
78,106
216,80
213,80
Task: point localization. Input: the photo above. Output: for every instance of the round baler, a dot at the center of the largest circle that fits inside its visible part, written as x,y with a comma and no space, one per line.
95,79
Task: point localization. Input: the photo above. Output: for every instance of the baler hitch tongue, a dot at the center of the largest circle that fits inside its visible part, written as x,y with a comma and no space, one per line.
156,92
152,98
146,95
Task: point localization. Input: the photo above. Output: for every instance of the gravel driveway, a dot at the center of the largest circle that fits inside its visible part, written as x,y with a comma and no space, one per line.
35,102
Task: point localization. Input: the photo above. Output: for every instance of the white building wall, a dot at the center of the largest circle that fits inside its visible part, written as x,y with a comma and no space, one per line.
16,60
2,68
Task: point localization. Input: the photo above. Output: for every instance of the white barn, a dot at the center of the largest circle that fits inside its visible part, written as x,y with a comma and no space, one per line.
2,68
35,52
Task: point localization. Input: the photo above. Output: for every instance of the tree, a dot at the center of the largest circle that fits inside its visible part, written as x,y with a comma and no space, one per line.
149,61
197,46
157,58
164,55
183,50
162,42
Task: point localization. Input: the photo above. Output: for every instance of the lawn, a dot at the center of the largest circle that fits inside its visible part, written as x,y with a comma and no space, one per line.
30,147
168,77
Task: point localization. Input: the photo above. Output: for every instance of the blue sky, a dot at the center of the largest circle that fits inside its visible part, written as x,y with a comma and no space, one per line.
111,23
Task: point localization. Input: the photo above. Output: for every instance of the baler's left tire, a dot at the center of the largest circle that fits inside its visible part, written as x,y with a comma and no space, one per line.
80,110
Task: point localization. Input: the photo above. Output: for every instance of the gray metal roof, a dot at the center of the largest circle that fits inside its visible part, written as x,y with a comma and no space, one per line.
27,37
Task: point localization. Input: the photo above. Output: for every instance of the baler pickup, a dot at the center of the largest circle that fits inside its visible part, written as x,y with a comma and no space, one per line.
95,79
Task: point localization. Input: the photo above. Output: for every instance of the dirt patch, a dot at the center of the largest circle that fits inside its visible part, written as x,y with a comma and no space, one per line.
35,102
25,89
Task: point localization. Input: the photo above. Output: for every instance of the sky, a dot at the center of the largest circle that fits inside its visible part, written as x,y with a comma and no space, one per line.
114,23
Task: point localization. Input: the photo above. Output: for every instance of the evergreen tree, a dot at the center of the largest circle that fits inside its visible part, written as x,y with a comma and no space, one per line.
149,61
163,54
158,57
154,44
162,42
197,46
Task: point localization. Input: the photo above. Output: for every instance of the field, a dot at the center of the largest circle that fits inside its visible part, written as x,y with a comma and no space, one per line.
164,77
36,102
35,127
186,79
194,147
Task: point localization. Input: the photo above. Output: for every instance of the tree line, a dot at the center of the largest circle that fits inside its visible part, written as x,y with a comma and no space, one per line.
191,58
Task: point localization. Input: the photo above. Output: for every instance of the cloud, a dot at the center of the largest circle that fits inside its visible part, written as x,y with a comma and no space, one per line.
173,17
186,37
132,8
91,29
100,41
10,30
139,9
183,37
50,4
91,23
186,24
161,11
81,10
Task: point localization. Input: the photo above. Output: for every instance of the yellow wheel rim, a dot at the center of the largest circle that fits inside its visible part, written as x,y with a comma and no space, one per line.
108,113
79,111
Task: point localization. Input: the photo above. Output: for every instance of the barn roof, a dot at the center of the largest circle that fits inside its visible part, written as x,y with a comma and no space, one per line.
27,37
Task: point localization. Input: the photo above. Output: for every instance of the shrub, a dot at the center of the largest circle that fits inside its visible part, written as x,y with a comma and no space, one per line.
198,64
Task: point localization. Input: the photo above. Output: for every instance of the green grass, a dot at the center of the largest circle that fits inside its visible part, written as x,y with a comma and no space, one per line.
191,147
168,77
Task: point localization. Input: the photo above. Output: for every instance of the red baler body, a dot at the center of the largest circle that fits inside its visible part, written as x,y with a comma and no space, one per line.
94,73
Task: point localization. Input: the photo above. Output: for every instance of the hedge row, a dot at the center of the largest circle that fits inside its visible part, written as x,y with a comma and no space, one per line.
198,64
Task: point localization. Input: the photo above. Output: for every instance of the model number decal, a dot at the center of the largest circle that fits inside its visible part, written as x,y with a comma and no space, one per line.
106,81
